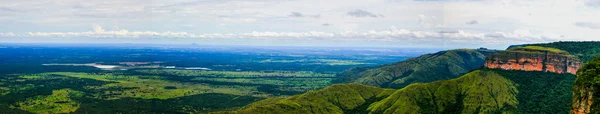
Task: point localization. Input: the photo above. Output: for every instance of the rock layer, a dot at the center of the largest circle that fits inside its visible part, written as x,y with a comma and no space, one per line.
533,60
582,104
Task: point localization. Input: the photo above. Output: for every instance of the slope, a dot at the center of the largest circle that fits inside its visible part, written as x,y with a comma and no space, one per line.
426,68
479,91
335,99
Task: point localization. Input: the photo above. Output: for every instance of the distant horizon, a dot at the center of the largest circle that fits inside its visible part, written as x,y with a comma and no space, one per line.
265,46
225,45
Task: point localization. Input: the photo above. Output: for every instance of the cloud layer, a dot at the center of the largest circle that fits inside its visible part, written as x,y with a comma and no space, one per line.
588,25
361,13
391,35
461,22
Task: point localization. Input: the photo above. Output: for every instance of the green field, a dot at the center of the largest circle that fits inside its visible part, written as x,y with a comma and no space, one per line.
163,85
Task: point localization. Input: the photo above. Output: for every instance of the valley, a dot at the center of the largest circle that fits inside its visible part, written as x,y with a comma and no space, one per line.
512,88
157,80
526,79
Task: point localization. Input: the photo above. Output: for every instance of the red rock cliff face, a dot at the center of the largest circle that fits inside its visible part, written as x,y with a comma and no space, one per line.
582,100
528,60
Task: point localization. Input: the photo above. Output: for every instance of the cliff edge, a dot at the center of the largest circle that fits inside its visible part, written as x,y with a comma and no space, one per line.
534,58
585,89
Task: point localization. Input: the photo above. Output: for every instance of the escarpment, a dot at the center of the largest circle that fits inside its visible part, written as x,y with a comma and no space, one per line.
585,89
534,58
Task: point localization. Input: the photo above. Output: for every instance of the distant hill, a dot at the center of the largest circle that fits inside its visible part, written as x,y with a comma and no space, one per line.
426,68
479,91
585,50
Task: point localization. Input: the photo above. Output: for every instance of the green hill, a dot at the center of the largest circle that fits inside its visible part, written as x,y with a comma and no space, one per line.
484,91
334,99
426,68
479,91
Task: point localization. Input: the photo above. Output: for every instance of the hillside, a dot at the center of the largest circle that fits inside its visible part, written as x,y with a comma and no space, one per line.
524,79
479,91
509,89
426,68
586,50
476,92
335,99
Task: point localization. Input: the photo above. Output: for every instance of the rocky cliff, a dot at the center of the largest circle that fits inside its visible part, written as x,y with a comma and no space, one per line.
533,58
582,100
585,91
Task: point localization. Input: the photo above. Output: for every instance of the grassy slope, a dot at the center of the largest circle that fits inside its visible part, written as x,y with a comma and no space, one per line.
333,100
426,68
479,91
475,92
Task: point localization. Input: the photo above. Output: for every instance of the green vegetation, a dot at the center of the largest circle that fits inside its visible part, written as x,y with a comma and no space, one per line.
231,74
589,74
548,49
149,87
585,87
335,99
541,92
239,76
332,62
108,92
272,82
476,92
58,102
479,91
426,68
68,92
280,84
586,50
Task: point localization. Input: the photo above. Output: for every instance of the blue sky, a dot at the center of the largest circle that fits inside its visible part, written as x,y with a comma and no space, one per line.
378,23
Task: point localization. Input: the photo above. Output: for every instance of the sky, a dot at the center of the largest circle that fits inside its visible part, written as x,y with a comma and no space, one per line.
349,23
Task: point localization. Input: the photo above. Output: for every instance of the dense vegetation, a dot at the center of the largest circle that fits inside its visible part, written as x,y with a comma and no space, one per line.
585,50
585,87
335,99
479,91
426,68
236,77
475,92
541,92
64,92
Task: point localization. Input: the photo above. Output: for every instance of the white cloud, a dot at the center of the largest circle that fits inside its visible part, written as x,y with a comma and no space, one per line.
472,22
592,3
362,13
588,25
10,34
237,20
393,34
430,22
504,20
